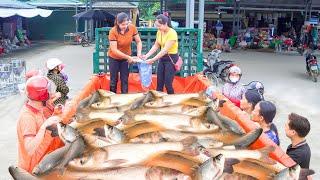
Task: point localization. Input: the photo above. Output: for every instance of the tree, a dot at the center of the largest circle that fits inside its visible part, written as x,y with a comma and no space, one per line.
147,9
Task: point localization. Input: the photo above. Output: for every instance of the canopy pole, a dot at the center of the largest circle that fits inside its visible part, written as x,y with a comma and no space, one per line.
234,17
76,18
91,23
86,22
238,16
187,14
191,14
201,23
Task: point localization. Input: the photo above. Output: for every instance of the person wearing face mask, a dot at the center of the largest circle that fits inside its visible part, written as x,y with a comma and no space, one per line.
233,90
119,53
55,66
36,131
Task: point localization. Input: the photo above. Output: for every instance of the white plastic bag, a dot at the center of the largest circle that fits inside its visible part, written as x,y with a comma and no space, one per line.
145,72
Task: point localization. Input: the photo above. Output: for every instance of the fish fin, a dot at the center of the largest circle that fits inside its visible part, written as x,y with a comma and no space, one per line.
265,154
99,131
141,127
60,169
172,161
221,102
246,140
105,93
272,176
304,173
229,147
157,94
194,102
185,156
114,162
228,165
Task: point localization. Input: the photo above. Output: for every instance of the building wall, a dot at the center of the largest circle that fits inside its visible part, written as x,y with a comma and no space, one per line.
52,27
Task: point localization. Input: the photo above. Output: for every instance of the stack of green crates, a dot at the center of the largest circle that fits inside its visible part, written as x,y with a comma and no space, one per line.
189,49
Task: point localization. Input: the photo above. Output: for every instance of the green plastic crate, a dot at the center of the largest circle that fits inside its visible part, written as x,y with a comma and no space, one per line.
189,49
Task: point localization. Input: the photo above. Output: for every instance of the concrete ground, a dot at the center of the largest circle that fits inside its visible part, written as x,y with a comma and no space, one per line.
284,77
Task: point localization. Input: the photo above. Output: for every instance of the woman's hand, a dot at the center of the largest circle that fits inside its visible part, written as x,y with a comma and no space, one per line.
130,60
139,55
150,61
143,57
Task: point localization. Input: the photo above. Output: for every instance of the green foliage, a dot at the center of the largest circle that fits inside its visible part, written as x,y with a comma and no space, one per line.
147,9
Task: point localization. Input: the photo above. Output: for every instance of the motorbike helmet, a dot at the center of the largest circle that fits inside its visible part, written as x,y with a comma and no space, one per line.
234,71
54,62
39,88
256,85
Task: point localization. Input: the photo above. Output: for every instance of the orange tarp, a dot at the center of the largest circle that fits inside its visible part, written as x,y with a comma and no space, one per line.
190,84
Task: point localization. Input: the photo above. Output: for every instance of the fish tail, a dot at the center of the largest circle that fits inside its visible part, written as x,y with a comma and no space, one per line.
265,154
11,171
95,97
304,173
231,124
247,140
190,145
228,165
127,118
19,173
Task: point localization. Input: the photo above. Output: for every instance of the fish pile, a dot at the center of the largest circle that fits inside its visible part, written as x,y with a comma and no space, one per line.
156,136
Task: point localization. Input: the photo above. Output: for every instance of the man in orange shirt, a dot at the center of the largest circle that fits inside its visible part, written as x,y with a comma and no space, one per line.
119,54
37,134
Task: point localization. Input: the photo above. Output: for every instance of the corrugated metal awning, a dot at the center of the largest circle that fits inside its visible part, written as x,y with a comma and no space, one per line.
14,4
125,5
55,3
28,13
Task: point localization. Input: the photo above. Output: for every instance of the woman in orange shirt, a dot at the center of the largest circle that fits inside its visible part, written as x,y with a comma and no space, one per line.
120,38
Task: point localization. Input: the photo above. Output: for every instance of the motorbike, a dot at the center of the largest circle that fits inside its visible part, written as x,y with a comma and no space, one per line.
83,40
288,43
255,44
215,68
255,85
312,66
